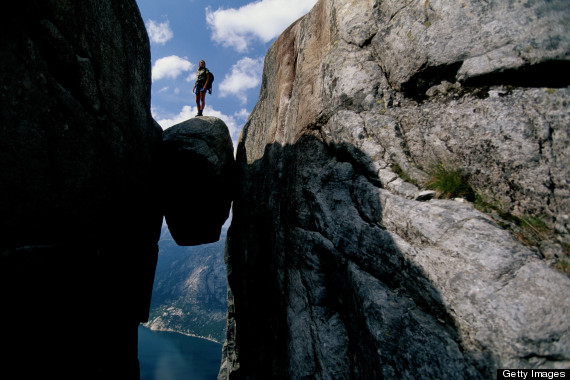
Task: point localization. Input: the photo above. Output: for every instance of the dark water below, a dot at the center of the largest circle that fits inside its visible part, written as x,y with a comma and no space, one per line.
173,356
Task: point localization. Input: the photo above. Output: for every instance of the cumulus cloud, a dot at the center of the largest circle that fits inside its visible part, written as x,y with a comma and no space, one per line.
234,122
242,114
189,112
159,33
170,67
261,20
245,75
186,113
191,77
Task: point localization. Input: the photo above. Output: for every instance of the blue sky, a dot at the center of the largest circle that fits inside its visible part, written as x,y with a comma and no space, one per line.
231,36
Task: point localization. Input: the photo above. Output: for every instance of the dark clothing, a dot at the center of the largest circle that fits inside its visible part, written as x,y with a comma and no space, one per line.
200,86
201,74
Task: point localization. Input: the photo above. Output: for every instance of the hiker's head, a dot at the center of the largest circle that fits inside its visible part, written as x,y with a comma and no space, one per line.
202,63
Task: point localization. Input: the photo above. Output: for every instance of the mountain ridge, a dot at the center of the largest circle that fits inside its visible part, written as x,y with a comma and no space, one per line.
189,292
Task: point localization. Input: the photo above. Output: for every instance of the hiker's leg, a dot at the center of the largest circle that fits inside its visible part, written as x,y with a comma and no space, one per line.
198,98
203,98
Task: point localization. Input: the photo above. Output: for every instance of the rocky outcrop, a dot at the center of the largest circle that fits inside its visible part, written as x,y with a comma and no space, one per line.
197,167
334,269
80,213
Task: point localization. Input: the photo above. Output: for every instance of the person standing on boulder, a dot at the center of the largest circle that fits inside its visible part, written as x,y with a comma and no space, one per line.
201,85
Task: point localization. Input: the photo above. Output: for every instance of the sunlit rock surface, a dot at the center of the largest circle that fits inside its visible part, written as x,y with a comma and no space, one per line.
334,269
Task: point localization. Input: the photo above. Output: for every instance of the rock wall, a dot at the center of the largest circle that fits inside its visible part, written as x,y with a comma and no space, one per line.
83,171
334,269
80,213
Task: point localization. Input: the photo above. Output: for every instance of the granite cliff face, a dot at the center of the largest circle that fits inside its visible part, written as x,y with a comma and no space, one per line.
335,269
80,219
79,185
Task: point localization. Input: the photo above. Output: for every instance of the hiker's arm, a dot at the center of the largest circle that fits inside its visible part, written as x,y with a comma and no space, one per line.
207,80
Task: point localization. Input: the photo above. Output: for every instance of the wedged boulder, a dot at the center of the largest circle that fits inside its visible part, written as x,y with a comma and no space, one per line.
198,175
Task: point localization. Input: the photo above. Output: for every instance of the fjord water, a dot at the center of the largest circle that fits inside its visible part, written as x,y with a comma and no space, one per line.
173,356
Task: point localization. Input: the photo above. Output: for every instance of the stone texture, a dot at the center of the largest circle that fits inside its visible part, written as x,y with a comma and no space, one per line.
80,213
478,37
197,167
334,269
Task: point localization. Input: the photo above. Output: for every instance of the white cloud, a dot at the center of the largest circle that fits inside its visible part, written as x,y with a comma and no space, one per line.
170,67
189,112
242,114
234,123
261,20
186,113
159,33
245,75
191,77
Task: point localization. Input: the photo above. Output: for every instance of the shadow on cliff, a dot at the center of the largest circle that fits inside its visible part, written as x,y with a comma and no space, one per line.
320,288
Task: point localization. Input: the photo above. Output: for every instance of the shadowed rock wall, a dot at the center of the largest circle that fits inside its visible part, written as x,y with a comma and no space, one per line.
80,216
80,191
334,269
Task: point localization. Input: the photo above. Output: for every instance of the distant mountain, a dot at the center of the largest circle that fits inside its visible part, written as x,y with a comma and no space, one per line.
190,291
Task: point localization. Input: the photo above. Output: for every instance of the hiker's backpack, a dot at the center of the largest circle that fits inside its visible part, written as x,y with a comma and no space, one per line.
209,88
